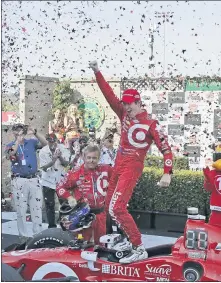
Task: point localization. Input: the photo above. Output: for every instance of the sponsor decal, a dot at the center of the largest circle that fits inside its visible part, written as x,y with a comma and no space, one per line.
168,162
197,255
192,119
140,135
159,108
112,203
158,279
158,273
41,241
83,265
121,270
192,151
175,130
218,183
102,179
176,97
53,267
61,192
19,253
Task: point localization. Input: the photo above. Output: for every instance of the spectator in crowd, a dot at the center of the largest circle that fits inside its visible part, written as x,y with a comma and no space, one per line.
108,153
72,125
78,159
90,181
56,126
53,159
3,200
25,183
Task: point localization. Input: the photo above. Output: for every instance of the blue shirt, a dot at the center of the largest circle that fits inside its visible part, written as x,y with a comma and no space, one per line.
27,152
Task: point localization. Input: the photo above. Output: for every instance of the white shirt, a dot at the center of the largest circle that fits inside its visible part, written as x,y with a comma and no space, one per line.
107,156
55,173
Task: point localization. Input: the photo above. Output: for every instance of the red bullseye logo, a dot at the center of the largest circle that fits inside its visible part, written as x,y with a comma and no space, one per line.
53,270
137,135
102,179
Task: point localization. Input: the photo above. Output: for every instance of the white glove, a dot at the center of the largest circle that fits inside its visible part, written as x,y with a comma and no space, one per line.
94,66
165,180
72,201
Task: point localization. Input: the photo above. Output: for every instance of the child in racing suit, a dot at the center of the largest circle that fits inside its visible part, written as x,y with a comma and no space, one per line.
212,183
90,181
138,132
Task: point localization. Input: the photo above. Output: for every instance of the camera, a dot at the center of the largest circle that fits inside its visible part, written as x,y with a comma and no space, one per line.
92,132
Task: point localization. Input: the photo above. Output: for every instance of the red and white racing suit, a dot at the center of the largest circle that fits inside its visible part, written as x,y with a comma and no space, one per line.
92,185
137,136
212,183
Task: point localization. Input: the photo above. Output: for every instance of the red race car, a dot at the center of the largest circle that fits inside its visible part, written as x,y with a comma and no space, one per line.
196,256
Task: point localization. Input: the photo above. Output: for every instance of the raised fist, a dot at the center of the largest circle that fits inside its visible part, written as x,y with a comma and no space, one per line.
94,66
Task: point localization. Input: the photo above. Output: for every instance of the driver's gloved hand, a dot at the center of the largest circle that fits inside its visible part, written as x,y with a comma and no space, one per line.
72,201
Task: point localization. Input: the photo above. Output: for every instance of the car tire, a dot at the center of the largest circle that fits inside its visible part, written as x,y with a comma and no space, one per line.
9,274
50,238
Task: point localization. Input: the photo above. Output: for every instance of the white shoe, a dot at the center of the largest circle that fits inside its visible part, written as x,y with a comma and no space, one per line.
138,253
123,245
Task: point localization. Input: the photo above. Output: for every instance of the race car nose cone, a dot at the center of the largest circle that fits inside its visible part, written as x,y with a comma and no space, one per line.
192,210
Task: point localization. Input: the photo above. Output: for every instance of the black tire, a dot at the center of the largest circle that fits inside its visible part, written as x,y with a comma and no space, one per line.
9,274
50,238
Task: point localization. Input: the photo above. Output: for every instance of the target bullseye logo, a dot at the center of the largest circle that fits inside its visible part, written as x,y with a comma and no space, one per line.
140,136
102,178
168,162
61,191
53,267
138,139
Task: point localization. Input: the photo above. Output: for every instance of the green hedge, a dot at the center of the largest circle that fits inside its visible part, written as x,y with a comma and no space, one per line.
179,163
186,190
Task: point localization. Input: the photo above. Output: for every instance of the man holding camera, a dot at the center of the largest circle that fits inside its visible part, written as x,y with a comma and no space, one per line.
138,132
53,159
25,184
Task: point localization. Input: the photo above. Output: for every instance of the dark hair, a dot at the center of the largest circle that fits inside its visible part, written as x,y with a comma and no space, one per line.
21,126
17,126
51,137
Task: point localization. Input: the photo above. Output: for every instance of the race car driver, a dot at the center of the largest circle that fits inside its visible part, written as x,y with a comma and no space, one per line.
138,132
89,182
212,183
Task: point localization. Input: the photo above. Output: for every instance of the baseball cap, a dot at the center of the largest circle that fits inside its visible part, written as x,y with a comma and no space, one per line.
51,137
83,138
130,95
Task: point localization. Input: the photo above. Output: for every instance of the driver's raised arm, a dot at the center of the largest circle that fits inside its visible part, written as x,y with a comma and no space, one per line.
107,91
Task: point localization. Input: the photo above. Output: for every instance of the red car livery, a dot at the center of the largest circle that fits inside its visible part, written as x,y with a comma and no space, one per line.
196,256
212,183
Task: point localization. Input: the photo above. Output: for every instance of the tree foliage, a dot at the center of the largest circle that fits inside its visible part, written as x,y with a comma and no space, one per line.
64,95
9,106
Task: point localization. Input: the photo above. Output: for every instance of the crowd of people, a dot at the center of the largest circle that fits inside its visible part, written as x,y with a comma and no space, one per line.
81,169
31,184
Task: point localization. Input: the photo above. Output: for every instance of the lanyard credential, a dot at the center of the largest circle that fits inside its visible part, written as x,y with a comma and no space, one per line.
23,161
